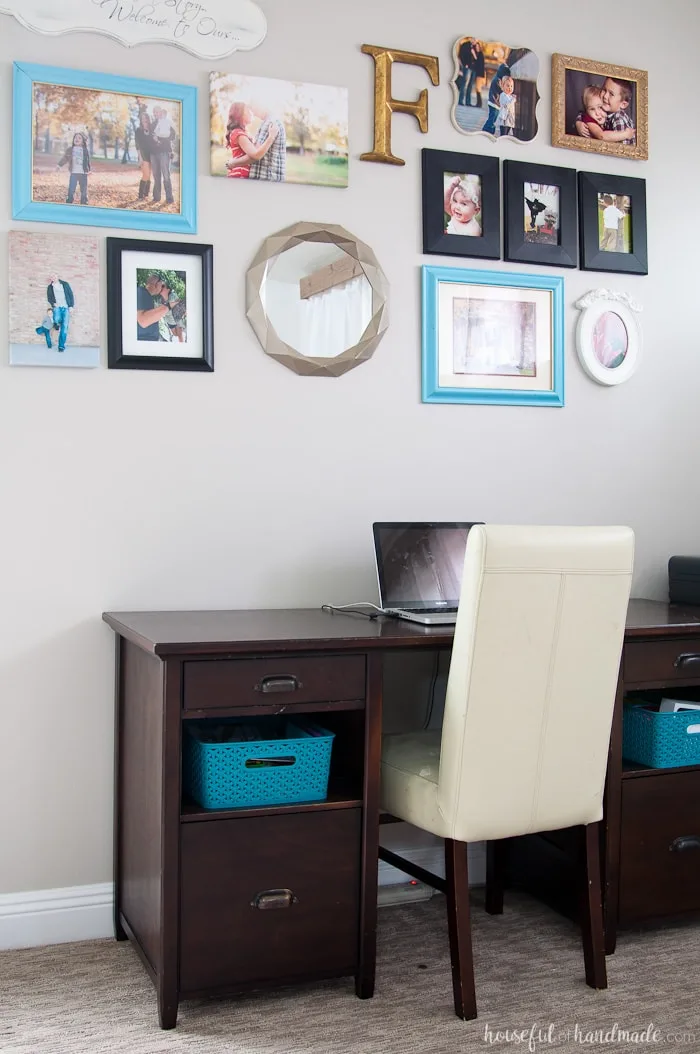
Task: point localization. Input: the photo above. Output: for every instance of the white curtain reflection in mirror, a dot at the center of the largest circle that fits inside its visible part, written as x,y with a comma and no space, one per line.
318,299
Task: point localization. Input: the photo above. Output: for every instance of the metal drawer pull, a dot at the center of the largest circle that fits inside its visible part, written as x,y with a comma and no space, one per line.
272,899
283,683
683,845
687,658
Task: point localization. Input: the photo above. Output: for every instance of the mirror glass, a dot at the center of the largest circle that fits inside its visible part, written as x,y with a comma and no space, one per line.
318,298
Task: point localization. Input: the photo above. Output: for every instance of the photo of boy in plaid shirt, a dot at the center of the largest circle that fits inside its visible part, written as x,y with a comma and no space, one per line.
618,126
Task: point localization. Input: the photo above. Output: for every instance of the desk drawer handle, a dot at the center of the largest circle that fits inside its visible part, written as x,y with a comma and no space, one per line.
683,845
688,658
273,899
284,682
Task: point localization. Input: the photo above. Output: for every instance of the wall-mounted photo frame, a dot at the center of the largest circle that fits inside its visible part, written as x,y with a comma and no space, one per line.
159,305
600,107
608,335
492,337
540,214
612,223
94,149
461,204
495,89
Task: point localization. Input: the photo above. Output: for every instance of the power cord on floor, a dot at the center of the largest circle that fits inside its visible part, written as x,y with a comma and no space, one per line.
433,683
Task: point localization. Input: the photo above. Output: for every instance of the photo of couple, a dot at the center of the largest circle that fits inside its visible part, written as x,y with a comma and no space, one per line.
54,300
600,107
161,305
278,131
105,149
495,89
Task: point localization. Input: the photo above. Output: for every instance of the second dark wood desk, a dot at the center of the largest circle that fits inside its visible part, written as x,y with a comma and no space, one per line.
186,879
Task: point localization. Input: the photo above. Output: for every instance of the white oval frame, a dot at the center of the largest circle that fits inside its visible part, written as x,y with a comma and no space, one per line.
592,306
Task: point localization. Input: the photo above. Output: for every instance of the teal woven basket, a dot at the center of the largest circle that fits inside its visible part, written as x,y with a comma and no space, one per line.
661,741
290,762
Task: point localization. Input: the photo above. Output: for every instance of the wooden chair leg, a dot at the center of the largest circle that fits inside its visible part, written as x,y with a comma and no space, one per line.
592,928
459,924
496,860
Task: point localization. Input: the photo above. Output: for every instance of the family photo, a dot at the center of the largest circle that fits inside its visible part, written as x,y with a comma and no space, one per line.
600,107
161,305
105,149
278,131
494,337
54,300
495,89
462,204
541,213
615,223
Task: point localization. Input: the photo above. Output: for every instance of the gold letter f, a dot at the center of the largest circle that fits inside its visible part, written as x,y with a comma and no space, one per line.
385,104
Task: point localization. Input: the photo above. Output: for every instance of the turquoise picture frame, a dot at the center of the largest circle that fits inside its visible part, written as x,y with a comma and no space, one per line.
509,394
24,207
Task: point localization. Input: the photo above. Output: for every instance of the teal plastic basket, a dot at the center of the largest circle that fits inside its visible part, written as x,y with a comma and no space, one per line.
660,740
290,762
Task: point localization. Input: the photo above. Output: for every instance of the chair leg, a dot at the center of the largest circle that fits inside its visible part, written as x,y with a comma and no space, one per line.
459,925
496,860
592,928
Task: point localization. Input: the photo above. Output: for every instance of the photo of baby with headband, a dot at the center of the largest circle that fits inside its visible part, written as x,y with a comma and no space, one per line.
462,204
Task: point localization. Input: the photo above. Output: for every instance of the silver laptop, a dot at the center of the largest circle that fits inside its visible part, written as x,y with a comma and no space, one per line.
419,568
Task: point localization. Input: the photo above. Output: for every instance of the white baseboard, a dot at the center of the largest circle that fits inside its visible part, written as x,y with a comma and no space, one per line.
85,913
56,916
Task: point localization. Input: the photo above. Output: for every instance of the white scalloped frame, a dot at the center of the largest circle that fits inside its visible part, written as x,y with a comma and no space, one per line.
593,305
210,30
271,343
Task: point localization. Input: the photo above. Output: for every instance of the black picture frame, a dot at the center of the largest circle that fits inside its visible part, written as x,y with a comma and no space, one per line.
117,358
593,185
518,248
435,163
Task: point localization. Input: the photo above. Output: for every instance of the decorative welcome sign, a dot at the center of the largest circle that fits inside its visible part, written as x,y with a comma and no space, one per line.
210,29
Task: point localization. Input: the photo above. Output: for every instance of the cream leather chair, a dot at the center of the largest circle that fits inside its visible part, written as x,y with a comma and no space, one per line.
528,712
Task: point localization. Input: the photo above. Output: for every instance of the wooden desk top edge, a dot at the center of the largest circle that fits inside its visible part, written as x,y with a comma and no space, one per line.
241,631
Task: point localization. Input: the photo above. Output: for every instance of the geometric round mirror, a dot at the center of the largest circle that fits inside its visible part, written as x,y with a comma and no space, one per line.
316,298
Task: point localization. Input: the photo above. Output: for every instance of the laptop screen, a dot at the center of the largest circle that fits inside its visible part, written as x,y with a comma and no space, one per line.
419,565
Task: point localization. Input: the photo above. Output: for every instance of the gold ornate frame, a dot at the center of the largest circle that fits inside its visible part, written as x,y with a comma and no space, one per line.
285,239
560,64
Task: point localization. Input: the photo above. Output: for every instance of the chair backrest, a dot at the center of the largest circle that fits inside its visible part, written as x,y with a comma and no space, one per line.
533,678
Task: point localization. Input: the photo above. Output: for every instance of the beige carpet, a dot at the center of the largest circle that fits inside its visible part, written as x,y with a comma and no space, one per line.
96,997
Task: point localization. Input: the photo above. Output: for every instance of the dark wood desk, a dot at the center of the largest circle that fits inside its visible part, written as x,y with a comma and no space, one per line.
186,878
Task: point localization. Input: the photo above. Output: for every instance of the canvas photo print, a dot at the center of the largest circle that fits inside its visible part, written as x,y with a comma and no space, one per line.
495,89
54,300
278,131
105,149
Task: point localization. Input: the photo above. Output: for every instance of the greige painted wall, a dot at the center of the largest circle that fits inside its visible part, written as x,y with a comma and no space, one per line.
256,487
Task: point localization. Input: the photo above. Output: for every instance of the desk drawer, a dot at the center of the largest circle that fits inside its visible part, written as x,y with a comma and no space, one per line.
228,940
662,662
216,683
660,846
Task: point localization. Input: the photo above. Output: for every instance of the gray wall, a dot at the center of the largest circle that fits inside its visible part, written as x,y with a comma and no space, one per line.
255,487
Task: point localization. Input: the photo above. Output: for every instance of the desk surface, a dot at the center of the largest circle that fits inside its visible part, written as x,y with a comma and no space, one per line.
228,632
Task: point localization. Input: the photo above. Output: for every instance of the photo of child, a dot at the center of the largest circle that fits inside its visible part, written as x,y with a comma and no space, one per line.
614,223
495,89
600,107
541,213
462,204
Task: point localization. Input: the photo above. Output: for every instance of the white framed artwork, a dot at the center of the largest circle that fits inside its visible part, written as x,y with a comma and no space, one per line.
210,30
608,335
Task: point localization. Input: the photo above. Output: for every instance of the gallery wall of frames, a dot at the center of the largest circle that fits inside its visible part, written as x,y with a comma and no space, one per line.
95,150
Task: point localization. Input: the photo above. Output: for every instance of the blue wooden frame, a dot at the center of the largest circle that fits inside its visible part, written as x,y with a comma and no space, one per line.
23,208
433,393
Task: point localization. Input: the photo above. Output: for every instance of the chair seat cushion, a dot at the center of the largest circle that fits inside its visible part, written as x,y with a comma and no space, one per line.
409,780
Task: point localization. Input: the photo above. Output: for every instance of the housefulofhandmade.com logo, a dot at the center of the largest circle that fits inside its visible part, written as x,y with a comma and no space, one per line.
537,1037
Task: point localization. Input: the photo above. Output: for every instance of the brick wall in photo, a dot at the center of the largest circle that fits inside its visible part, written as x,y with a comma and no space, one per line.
33,258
